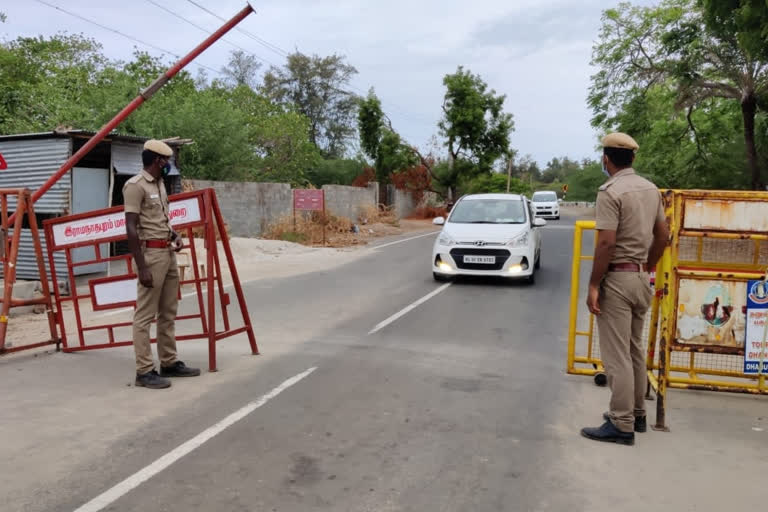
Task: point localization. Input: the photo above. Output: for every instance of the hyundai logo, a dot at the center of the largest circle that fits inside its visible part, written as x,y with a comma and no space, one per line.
479,243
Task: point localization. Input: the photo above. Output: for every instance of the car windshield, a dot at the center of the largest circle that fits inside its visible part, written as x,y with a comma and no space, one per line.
544,197
488,211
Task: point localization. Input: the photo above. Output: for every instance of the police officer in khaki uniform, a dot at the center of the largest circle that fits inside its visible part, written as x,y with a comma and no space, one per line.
153,244
631,236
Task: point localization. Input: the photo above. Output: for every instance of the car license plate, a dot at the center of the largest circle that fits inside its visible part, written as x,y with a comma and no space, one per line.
483,260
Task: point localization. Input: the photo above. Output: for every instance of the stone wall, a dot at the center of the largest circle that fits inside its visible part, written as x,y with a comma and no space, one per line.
248,208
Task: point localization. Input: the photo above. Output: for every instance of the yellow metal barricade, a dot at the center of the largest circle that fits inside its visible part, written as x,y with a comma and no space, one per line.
697,323
589,354
583,338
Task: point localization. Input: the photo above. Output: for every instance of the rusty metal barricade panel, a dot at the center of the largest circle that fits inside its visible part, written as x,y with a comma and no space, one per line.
719,242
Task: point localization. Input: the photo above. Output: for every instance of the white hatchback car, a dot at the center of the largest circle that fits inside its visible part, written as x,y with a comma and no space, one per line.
545,204
488,235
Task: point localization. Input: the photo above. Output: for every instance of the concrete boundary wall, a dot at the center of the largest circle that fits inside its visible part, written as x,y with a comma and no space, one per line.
350,202
249,208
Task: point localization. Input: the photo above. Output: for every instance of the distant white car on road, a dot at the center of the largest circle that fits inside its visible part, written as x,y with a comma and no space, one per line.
488,235
545,204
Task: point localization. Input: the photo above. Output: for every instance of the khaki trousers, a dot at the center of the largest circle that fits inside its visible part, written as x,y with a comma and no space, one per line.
624,301
162,301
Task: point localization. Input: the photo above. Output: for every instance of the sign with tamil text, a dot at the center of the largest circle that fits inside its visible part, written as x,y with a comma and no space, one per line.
755,349
111,226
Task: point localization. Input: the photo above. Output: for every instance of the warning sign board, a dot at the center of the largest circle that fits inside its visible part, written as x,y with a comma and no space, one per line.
308,200
755,349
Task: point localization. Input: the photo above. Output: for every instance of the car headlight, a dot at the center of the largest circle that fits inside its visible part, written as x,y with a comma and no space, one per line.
519,241
445,239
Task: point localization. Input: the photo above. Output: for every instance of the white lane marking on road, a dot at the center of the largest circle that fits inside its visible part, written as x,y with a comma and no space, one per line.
405,240
110,496
407,309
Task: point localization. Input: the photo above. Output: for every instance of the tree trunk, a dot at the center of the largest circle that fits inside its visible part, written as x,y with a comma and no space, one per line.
451,163
748,110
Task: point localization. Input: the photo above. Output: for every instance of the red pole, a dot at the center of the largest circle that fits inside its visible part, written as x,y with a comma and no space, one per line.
210,238
141,98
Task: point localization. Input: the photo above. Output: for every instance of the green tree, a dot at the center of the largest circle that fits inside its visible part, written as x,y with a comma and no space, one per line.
279,136
318,88
238,134
370,124
378,140
495,183
671,45
475,127
43,81
747,19
584,184
336,172
242,69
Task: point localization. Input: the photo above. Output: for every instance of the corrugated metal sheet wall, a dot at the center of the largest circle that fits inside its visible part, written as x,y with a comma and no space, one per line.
27,264
30,163
126,157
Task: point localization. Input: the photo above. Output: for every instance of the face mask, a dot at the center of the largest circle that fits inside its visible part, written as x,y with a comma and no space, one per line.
166,169
605,171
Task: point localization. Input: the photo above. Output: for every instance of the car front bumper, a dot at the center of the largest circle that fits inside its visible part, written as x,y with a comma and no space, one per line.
548,213
518,263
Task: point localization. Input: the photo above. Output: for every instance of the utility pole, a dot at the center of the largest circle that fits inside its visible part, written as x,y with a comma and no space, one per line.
509,173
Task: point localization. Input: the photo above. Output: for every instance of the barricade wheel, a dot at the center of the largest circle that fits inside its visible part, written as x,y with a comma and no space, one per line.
601,379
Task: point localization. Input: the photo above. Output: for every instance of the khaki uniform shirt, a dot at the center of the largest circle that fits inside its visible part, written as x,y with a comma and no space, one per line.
146,196
630,205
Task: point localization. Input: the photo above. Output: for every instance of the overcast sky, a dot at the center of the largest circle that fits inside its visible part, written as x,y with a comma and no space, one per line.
537,52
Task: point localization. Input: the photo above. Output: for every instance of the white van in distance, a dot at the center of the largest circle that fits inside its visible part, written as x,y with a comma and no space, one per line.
545,204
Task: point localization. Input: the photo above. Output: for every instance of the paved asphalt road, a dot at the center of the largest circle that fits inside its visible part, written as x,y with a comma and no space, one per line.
445,408
458,405
461,404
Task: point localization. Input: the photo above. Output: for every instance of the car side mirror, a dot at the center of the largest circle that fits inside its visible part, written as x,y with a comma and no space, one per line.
438,221
539,223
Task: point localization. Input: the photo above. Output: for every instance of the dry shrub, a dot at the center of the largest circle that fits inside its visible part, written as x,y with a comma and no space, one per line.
339,231
380,214
429,212
307,229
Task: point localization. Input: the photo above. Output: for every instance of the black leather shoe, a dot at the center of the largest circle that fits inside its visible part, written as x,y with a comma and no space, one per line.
608,433
179,369
641,424
152,380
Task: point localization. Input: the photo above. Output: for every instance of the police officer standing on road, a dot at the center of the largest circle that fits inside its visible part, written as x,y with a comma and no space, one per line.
153,244
631,236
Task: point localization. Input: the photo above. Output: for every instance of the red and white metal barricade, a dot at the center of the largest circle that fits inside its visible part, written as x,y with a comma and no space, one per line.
9,255
188,211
